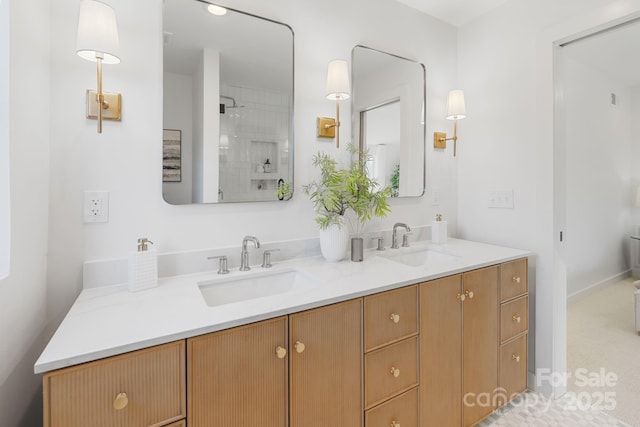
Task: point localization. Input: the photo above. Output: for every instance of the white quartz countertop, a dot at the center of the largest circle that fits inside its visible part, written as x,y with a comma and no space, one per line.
110,320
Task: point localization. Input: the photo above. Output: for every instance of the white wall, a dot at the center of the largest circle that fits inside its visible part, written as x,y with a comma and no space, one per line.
506,68
126,159
178,115
598,175
23,326
635,154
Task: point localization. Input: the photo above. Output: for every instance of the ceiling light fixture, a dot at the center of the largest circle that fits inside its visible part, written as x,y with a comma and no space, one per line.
216,10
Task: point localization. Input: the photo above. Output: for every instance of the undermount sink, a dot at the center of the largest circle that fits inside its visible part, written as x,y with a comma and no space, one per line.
218,292
419,257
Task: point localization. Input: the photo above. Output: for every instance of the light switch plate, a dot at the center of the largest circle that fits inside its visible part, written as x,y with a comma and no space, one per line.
501,199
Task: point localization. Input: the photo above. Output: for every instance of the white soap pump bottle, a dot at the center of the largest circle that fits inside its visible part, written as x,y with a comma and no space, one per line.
439,230
143,267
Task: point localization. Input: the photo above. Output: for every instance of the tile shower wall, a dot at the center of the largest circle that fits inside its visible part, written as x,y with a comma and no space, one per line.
255,131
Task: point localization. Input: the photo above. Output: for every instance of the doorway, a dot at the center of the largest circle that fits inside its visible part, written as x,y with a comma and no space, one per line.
597,145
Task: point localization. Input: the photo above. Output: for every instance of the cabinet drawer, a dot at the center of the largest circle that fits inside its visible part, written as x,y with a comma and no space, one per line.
390,317
513,279
514,318
390,371
149,385
399,411
513,368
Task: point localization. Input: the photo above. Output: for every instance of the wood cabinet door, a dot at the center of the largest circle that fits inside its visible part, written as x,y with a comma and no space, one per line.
238,377
480,343
326,366
141,388
441,352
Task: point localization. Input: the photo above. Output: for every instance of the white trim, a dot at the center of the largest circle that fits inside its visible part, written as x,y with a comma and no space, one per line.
608,16
5,189
578,295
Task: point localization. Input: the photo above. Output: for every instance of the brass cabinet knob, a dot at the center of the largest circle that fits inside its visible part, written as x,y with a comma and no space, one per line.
281,352
299,346
516,318
121,401
515,279
395,317
469,294
395,372
516,358
394,424
461,297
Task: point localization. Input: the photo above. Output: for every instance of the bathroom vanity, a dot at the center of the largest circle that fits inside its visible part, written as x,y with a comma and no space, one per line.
432,335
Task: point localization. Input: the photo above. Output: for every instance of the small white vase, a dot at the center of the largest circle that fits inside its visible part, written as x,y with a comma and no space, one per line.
334,242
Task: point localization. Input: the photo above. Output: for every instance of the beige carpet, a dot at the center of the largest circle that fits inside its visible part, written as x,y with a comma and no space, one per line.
604,351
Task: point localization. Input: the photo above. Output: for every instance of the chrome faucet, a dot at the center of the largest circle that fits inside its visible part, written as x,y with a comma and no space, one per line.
394,239
244,256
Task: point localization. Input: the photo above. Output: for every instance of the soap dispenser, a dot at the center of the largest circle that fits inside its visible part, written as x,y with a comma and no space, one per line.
143,267
267,166
439,230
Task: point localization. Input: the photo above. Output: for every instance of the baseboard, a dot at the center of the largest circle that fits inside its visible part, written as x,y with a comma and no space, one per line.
576,296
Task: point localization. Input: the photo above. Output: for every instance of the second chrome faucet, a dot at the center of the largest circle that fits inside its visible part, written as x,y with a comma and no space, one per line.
244,255
394,237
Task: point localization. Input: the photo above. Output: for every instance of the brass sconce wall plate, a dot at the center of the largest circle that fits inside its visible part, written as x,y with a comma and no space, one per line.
326,127
439,140
112,108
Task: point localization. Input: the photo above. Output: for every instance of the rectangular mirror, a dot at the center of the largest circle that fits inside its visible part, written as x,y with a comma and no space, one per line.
387,105
228,105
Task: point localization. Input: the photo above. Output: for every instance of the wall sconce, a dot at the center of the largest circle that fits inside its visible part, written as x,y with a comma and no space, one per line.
456,109
338,89
97,41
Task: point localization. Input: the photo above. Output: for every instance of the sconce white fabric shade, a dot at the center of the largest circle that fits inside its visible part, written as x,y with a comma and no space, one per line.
97,32
456,108
338,86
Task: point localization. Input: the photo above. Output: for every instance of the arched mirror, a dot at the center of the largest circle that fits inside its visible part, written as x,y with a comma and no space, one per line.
228,105
388,98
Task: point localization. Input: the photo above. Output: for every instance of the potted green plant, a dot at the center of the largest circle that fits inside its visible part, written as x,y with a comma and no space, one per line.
339,191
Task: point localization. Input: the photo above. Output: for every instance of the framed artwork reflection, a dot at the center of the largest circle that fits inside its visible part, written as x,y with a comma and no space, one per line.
171,155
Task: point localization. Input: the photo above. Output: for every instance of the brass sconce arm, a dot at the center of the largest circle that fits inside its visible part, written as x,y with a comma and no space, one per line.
440,138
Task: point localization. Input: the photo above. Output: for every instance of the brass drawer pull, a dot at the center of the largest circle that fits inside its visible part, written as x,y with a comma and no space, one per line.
469,294
281,352
395,317
461,297
121,401
395,372
394,424
515,279
299,346
516,318
516,358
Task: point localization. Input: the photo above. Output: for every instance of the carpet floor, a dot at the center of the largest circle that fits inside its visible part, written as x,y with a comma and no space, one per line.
603,379
604,350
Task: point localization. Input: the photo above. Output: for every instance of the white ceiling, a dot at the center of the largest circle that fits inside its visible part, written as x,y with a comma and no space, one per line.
454,12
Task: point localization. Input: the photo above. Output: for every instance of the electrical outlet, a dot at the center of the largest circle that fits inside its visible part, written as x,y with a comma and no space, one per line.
96,206
435,196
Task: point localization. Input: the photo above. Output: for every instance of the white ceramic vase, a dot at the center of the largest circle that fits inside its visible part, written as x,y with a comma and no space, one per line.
334,242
